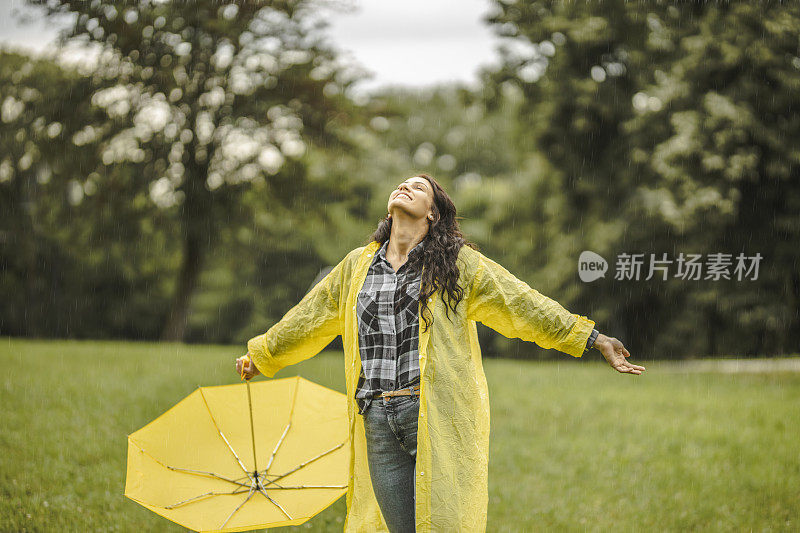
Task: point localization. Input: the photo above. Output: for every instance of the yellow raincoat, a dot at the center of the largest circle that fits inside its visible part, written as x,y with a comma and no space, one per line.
453,425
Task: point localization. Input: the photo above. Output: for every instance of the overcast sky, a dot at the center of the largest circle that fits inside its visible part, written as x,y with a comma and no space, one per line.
412,43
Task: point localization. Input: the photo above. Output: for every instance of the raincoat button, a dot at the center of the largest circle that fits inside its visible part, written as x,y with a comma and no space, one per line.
422,473
430,299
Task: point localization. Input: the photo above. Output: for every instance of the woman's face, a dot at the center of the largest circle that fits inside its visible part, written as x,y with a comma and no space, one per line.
414,197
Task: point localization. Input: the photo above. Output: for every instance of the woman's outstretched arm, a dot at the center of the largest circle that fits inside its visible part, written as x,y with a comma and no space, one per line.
511,307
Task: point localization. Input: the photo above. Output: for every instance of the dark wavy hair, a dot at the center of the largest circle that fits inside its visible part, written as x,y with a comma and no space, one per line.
442,244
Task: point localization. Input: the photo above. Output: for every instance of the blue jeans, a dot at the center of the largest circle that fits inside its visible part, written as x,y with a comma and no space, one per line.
390,426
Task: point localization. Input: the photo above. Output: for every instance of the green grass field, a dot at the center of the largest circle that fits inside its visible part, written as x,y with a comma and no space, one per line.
575,446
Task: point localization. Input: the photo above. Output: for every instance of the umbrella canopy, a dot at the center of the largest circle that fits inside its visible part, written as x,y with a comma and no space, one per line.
240,457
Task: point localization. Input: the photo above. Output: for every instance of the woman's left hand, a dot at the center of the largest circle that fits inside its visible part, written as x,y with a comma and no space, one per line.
615,353
246,368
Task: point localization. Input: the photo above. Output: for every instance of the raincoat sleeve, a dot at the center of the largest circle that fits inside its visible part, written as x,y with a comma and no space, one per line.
305,329
511,307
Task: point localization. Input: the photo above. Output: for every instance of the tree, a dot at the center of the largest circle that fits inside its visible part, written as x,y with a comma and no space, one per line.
665,128
215,97
82,254
724,165
571,63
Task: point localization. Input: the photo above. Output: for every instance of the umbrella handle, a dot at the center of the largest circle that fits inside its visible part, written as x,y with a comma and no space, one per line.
249,358
252,427
250,408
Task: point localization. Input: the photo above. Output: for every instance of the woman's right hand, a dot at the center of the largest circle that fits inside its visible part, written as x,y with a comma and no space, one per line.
615,353
246,368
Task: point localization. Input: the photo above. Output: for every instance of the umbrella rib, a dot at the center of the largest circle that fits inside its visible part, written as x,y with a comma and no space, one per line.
203,473
286,429
278,445
264,492
188,471
249,495
301,465
222,434
206,495
310,487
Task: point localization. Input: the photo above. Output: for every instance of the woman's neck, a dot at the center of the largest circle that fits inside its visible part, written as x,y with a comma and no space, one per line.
404,236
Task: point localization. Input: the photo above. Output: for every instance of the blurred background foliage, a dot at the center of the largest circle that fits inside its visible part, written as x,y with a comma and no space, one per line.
200,175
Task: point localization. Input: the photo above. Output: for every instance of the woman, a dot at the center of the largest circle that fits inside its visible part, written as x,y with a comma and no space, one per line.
406,306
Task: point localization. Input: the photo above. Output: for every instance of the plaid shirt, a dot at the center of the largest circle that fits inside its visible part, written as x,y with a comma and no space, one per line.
388,327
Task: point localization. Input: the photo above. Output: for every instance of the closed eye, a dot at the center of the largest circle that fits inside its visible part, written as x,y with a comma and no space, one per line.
418,186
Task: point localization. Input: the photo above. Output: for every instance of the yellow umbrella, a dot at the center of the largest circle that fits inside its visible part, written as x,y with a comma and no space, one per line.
240,457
